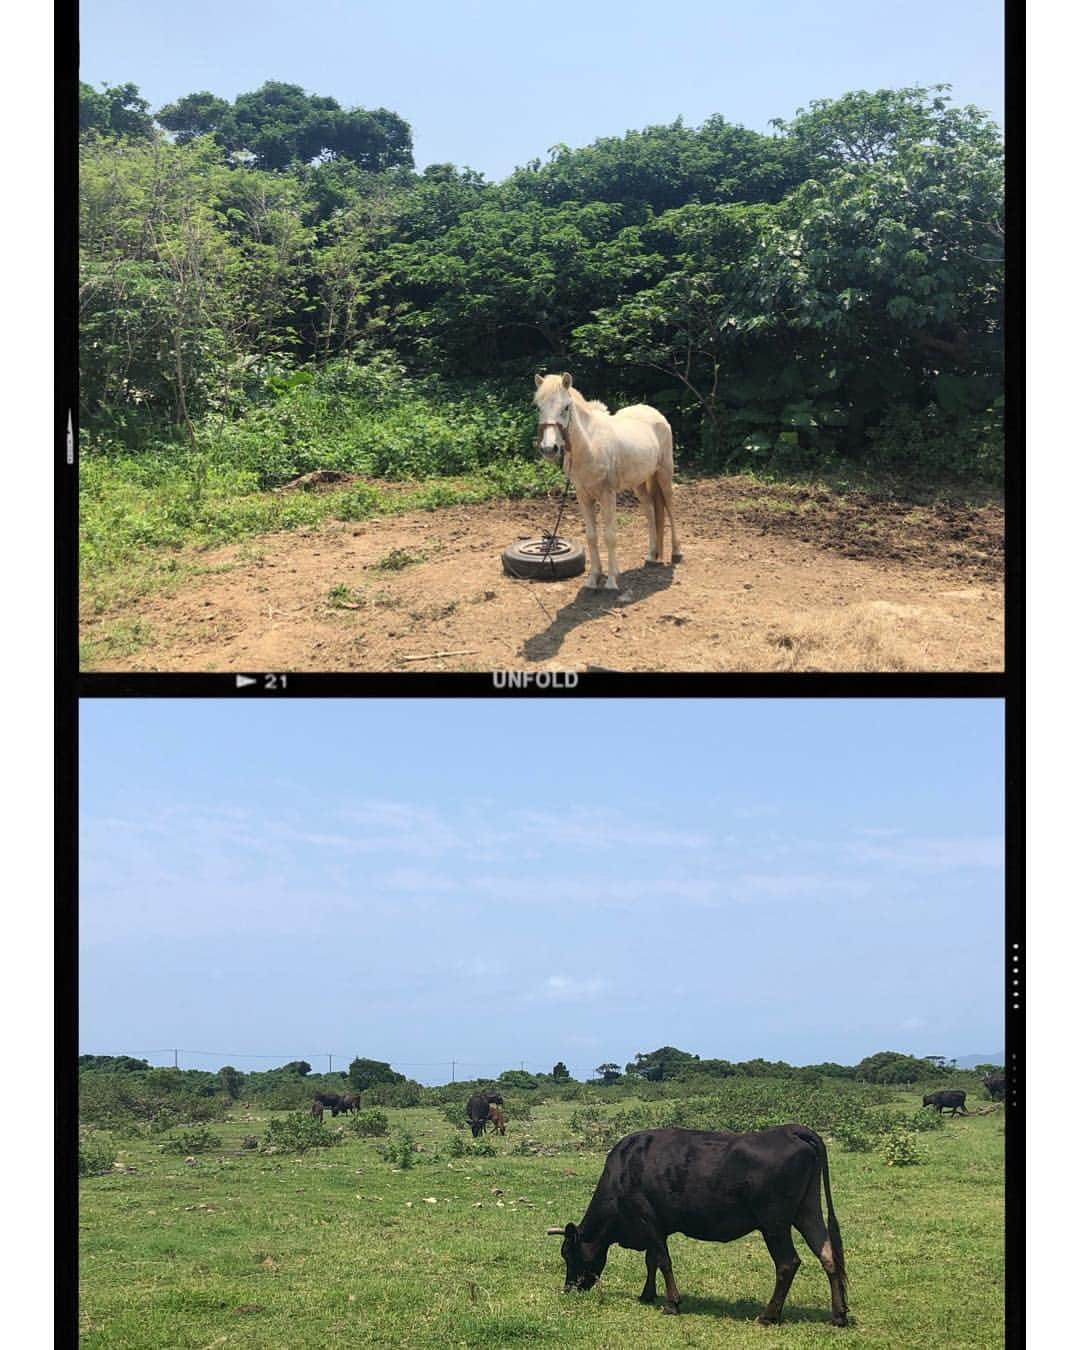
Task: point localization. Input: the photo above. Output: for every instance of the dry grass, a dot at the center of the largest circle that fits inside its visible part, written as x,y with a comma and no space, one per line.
867,637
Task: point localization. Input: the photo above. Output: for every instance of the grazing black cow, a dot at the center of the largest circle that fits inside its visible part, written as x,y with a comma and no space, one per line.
350,1101
331,1100
953,1098
996,1085
476,1110
716,1187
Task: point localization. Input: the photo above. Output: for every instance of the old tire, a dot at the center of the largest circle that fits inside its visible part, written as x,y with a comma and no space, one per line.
543,559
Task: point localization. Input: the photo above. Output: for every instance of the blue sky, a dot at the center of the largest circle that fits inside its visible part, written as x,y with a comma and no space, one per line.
532,880
493,83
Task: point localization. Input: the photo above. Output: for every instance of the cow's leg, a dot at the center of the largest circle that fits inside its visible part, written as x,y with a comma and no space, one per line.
786,1260
811,1225
648,1294
587,507
607,510
663,1258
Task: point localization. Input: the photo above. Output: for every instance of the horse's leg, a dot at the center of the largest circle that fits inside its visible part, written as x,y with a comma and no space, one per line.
607,509
658,511
588,513
663,478
647,496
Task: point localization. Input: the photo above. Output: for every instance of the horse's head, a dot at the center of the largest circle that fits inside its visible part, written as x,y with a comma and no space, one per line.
555,408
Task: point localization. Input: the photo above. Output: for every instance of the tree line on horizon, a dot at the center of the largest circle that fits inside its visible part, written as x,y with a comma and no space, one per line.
665,1064
830,292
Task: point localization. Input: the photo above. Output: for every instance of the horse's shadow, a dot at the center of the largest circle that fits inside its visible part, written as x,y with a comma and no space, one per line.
636,584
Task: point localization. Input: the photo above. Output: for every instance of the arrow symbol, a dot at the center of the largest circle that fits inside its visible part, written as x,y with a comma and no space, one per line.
243,680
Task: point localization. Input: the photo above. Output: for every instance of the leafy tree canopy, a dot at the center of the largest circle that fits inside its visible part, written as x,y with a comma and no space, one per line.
113,1063
281,124
660,1064
366,1073
889,1066
117,110
560,1073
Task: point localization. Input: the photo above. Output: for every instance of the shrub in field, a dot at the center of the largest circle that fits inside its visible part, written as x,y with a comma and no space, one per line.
97,1153
899,1148
399,1151
471,1148
368,1123
296,1133
200,1139
926,1118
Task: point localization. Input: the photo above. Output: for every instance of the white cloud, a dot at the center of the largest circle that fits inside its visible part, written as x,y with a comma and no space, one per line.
571,989
974,851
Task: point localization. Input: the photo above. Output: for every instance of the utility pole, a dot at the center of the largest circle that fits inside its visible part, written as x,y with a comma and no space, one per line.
329,1063
176,1059
453,1070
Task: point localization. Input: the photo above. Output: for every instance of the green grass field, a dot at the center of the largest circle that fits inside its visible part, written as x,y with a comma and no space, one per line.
337,1246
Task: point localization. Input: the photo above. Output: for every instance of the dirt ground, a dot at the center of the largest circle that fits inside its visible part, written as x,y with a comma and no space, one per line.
772,579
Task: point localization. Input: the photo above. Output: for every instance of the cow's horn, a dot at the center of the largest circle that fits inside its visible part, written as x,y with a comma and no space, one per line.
556,1232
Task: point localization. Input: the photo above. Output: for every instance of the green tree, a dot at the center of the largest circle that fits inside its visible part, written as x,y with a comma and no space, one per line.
280,124
561,1073
195,115
299,1066
608,1074
366,1073
232,1080
117,110
889,1066
658,1065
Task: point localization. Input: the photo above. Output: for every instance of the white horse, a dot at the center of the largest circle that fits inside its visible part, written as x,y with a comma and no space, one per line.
605,454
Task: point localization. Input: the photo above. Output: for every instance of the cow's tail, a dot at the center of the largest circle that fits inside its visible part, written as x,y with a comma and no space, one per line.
831,1224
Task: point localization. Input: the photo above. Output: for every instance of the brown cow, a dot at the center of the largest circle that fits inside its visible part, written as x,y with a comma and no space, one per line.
317,1111
496,1117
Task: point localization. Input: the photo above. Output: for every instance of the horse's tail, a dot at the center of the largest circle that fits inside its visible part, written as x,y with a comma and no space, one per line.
665,473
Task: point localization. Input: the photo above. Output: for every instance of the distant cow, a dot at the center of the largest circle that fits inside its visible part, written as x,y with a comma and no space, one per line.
716,1187
497,1119
477,1108
350,1101
331,1100
996,1085
953,1098
317,1110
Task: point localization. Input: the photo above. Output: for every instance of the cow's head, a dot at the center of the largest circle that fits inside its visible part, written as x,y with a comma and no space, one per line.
477,1127
583,1266
928,1100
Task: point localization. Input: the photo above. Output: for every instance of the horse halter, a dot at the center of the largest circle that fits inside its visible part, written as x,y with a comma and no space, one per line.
563,431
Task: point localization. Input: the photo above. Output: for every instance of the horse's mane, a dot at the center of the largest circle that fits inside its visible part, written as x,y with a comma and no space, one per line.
592,404
580,401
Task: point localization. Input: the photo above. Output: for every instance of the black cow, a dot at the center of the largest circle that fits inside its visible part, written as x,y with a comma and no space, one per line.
350,1101
996,1085
953,1098
716,1187
331,1100
317,1111
476,1110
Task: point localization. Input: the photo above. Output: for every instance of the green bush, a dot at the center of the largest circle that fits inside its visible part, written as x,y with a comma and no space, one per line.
197,1140
471,1148
97,1153
399,1151
369,1123
899,1148
296,1133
